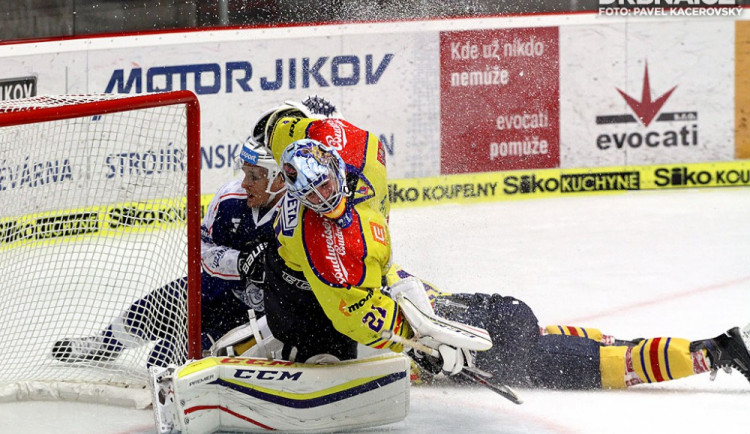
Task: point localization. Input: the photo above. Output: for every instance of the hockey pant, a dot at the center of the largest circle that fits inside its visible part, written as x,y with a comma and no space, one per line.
296,318
574,358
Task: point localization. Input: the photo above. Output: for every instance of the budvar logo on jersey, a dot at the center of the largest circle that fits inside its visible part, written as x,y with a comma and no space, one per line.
237,76
685,8
335,249
680,128
338,139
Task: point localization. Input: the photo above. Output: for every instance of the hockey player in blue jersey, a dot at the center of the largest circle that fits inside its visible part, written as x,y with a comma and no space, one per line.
237,226
235,231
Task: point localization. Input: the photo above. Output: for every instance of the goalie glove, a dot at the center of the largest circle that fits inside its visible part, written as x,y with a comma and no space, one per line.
447,359
455,359
448,344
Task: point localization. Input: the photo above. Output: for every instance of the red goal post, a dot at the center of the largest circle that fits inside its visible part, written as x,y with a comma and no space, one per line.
78,155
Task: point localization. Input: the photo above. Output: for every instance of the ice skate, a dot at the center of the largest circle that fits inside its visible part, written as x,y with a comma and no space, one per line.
91,348
729,350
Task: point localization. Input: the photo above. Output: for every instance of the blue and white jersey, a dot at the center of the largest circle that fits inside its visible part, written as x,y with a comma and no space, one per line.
229,227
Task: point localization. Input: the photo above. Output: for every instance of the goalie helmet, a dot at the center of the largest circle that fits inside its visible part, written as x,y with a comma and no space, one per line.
314,173
312,107
258,155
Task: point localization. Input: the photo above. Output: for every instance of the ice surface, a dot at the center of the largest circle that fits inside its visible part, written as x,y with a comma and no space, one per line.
641,264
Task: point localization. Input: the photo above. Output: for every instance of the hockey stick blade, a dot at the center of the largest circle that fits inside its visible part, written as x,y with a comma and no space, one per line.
501,389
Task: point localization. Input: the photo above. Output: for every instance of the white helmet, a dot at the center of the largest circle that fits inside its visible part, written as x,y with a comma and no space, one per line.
258,155
312,107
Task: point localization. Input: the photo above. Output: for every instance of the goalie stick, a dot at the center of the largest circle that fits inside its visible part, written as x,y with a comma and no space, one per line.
474,374
501,389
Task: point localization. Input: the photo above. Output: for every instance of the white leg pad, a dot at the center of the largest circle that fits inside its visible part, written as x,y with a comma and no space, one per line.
255,395
414,289
433,331
266,345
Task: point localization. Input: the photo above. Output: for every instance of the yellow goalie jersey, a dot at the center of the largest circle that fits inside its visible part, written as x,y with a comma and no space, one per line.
345,266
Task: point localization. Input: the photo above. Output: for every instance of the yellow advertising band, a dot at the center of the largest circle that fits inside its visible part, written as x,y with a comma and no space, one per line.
528,184
113,220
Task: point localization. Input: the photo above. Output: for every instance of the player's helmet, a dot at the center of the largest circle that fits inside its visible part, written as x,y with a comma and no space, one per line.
311,107
258,155
314,173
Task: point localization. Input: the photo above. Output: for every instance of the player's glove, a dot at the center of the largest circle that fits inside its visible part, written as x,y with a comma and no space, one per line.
250,264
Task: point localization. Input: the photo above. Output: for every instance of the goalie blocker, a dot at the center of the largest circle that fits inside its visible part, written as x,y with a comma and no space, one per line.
257,395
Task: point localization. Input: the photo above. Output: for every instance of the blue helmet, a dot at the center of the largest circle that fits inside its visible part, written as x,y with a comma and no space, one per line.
314,173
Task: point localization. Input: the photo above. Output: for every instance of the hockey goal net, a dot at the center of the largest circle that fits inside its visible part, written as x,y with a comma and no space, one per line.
100,203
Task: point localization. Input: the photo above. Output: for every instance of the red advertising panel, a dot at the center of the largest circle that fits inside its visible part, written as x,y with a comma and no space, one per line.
499,104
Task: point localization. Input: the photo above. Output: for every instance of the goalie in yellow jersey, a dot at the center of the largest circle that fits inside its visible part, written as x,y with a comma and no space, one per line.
332,267
333,235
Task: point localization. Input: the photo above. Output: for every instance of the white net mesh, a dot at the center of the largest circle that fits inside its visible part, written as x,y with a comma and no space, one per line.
92,219
45,101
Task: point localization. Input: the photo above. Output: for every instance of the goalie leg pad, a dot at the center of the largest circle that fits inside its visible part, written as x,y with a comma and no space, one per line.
162,397
255,395
412,288
243,338
434,331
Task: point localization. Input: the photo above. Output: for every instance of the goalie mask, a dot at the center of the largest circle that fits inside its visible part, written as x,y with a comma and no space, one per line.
256,154
314,174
